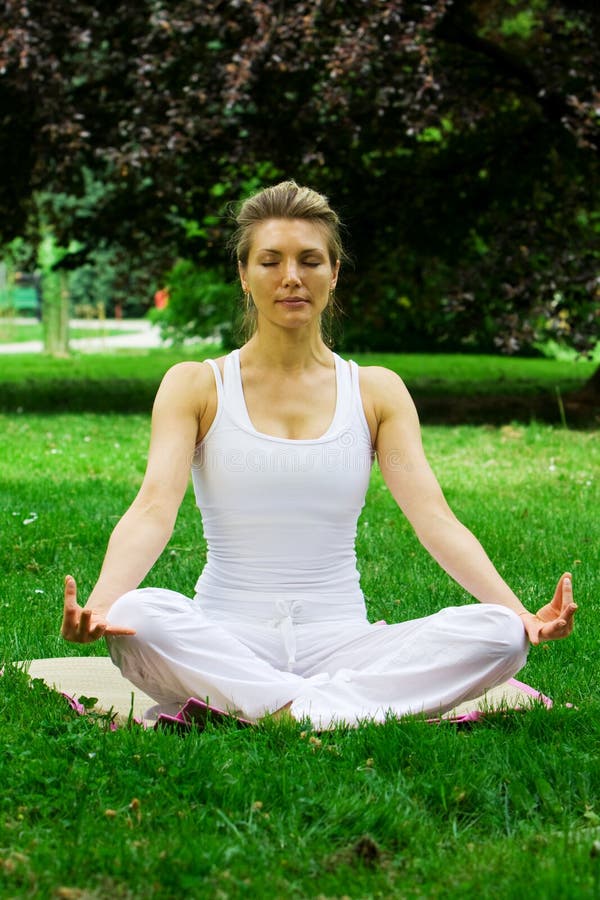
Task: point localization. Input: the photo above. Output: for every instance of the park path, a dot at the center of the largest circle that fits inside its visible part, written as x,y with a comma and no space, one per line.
137,334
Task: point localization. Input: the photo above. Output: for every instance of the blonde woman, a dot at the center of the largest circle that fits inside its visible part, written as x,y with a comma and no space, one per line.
280,437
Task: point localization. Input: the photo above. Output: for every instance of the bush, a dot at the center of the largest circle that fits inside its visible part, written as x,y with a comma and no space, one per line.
201,304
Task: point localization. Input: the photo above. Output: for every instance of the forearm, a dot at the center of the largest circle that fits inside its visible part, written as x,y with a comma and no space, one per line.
459,552
134,546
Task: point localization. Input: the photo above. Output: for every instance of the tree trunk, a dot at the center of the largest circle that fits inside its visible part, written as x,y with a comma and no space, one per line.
55,313
55,295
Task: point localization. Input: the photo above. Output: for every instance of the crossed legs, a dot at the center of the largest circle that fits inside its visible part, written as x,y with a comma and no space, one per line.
341,672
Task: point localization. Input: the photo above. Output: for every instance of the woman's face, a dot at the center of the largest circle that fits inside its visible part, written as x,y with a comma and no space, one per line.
288,273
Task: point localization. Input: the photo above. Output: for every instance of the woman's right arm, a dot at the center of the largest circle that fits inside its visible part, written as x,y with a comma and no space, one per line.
142,533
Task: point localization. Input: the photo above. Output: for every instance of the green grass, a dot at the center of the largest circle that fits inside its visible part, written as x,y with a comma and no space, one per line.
123,381
457,373
121,364
11,333
509,808
453,372
127,381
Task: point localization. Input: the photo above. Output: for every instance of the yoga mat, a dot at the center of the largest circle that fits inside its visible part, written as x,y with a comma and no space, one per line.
96,676
512,694
92,676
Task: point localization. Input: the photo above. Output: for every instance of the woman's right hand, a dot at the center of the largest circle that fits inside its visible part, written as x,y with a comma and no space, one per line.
81,625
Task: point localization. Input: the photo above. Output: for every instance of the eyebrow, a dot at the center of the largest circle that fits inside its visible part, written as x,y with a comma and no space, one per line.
278,252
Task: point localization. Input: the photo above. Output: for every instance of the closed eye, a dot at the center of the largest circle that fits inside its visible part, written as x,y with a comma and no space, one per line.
313,264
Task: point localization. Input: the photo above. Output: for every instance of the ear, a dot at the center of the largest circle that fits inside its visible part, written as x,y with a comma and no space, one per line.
242,274
335,273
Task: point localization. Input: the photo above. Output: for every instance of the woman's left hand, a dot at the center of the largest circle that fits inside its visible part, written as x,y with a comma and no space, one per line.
555,619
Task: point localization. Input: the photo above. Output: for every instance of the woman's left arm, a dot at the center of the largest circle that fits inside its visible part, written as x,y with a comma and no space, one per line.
415,488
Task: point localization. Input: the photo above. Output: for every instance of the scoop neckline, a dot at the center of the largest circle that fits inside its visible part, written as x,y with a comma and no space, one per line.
332,428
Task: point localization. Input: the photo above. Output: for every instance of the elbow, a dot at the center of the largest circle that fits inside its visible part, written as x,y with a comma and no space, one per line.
431,529
151,512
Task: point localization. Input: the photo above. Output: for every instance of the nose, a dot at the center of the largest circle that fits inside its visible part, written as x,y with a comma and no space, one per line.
290,273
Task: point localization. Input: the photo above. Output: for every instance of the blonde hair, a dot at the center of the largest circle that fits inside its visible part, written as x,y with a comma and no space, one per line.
286,200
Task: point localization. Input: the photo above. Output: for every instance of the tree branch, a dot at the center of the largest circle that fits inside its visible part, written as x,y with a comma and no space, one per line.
458,28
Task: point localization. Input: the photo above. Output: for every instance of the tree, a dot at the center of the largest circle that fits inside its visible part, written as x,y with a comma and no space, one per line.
459,139
55,308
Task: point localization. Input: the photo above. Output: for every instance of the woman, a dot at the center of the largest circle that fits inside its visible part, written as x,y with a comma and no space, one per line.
281,436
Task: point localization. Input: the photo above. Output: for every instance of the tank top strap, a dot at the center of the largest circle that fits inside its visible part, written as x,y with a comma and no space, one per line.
233,392
355,387
343,382
218,381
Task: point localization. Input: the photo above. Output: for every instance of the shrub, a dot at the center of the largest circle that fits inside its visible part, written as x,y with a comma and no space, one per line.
201,304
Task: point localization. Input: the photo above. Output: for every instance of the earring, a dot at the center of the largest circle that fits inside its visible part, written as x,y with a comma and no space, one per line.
247,299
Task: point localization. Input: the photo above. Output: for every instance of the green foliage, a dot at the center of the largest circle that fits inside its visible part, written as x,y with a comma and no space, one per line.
552,349
520,25
108,276
19,255
458,140
104,279
111,282
201,303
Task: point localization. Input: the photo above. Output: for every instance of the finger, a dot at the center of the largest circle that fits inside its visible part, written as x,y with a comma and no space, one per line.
568,616
557,601
71,607
96,630
85,622
532,628
558,628
70,592
71,615
70,618
101,629
567,593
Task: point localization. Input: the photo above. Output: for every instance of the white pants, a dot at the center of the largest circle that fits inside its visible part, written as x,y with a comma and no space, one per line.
342,671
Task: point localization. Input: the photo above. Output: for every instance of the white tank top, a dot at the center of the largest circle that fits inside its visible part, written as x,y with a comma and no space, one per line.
280,515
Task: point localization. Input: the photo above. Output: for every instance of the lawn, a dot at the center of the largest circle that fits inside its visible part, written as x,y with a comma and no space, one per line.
20,332
507,808
127,381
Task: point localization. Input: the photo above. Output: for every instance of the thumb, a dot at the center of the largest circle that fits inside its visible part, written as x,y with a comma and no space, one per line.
533,628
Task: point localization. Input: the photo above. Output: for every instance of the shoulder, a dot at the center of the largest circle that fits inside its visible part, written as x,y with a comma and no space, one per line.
385,399
189,371
190,375
383,388
187,384
377,376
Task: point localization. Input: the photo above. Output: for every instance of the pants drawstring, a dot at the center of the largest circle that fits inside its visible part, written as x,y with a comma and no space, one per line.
287,611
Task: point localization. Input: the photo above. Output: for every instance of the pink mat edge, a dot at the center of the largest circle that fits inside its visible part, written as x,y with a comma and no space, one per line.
180,718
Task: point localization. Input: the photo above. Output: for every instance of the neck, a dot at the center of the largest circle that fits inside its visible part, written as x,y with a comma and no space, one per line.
286,348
